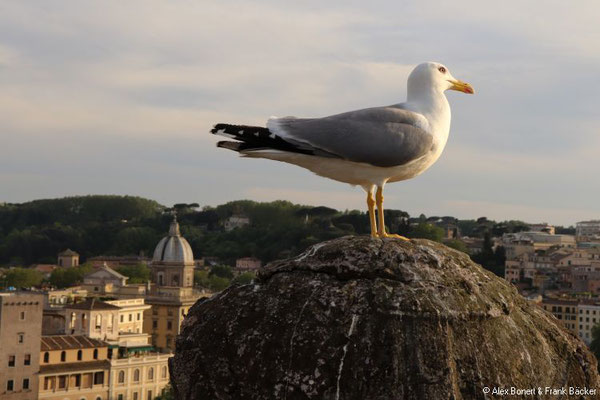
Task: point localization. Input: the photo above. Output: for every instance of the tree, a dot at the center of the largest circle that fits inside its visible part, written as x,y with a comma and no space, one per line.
222,271
427,231
243,278
458,245
67,277
139,273
23,277
167,394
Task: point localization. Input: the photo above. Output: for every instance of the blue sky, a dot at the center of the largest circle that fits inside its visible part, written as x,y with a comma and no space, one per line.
117,97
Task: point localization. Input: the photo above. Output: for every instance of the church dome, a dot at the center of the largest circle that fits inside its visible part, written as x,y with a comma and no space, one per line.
173,248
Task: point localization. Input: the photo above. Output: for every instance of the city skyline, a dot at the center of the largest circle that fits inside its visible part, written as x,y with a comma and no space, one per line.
118,98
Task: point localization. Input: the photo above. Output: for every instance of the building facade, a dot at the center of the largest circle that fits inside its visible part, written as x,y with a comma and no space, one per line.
68,258
20,336
73,367
172,293
139,378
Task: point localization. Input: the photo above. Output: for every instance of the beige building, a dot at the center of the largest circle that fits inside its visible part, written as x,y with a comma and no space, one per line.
104,280
248,264
172,293
92,318
73,367
139,378
20,335
68,258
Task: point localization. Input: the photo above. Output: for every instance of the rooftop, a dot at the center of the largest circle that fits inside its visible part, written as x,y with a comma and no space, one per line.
92,304
65,342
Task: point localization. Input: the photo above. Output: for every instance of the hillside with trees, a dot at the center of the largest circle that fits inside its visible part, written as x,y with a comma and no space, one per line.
34,232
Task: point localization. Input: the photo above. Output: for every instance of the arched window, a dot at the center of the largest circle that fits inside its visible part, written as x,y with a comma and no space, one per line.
136,375
83,321
46,357
122,377
175,280
164,372
95,354
150,373
160,279
98,321
63,356
79,355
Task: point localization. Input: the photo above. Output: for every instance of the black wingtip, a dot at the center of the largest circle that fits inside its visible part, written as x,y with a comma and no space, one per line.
217,128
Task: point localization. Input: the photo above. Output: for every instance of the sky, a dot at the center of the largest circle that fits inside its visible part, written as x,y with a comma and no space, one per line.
114,97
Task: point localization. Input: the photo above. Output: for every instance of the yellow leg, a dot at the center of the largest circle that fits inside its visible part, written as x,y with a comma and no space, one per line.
371,205
381,231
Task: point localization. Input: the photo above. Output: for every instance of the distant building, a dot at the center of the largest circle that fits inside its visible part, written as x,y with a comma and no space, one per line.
92,318
139,378
68,258
248,264
73,367
585,230
118,261
172,293
104,280
543,227
20,336
236,221
45,269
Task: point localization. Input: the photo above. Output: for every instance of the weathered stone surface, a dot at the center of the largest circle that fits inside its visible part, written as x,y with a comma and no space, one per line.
362,318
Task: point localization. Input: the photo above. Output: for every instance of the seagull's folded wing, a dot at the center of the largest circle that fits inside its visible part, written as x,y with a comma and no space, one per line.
382,136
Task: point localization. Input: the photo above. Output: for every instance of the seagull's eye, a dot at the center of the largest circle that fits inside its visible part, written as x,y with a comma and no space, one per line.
442,70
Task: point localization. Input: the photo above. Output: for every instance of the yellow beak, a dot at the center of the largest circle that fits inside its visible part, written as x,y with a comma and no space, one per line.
461,86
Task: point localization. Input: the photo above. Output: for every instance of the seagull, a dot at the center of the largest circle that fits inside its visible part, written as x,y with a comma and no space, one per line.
368,147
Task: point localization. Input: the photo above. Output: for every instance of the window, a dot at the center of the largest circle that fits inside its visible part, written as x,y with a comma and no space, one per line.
25,383
46,357
139,316
62,381
136,375
164,372
122,377
170,312
121,319
11,361
22,316
73,319
10,385
130,317
150,373
48,383
83,321
95,354
98,321
154,324
78,380
20,337
79,355
99,398
169,325
135,395
149,395
99,378
63,356
27,359
120,397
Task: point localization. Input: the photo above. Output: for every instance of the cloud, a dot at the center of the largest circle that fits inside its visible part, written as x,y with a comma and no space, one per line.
117,97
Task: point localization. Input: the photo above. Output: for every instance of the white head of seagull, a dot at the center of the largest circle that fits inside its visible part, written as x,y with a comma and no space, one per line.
368,147
431,79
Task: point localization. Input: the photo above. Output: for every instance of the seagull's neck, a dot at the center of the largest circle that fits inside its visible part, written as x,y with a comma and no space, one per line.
434,106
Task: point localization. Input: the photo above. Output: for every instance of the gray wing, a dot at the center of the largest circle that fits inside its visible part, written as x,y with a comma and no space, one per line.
382,136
